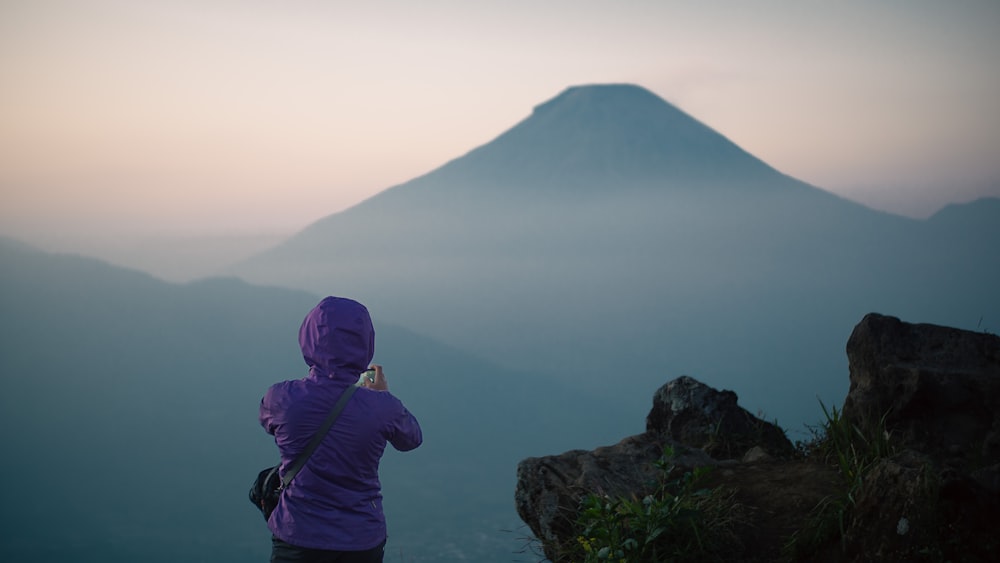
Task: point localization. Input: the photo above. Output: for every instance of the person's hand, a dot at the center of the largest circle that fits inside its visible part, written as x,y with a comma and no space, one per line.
380,384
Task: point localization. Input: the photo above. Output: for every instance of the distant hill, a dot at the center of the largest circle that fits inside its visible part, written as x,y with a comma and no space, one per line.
611,235
979,219
131,409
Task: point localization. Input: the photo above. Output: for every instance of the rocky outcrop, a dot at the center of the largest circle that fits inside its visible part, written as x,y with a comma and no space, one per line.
550,488
933,391
689,417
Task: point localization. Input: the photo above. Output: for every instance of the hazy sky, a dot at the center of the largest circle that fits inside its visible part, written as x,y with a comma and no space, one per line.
216,116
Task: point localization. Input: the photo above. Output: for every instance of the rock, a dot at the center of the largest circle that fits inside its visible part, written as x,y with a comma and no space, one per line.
549,489
935,389
756,453
938,388
687,416
699,416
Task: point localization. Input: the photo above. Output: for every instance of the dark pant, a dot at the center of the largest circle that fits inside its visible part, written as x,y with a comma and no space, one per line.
283,552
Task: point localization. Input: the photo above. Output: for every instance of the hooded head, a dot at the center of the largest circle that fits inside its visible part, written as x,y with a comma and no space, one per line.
337,339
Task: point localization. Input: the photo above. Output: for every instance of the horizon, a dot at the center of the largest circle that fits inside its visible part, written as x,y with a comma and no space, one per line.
187,120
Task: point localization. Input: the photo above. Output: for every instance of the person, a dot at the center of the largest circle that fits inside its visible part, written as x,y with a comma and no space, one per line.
332,509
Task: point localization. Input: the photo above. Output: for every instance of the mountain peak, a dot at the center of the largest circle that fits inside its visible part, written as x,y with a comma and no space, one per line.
628,97
609,134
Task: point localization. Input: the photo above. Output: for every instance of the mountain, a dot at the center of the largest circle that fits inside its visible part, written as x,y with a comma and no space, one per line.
609,238
131,413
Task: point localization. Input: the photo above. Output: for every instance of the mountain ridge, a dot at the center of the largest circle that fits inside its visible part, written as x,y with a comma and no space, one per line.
979,212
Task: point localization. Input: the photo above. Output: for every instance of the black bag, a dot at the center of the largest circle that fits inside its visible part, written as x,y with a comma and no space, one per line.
265,492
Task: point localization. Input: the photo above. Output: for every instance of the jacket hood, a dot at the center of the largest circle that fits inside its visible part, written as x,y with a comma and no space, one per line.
337,339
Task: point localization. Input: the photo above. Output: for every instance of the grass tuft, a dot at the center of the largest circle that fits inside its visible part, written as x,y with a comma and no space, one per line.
854,451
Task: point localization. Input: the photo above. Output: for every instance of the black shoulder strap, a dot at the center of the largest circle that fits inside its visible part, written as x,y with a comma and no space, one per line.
317,437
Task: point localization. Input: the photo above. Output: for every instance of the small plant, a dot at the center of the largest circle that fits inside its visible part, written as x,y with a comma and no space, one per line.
678,522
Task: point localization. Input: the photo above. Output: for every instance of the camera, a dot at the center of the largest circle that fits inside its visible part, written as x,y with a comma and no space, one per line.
367,376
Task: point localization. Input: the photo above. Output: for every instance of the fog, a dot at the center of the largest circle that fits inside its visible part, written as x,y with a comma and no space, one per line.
529,298
133,403
170,257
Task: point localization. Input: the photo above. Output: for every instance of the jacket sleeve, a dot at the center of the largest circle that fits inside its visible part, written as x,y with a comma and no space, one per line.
265,416
404,432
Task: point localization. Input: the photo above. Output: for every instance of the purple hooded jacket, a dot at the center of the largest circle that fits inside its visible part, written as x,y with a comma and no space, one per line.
335,501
